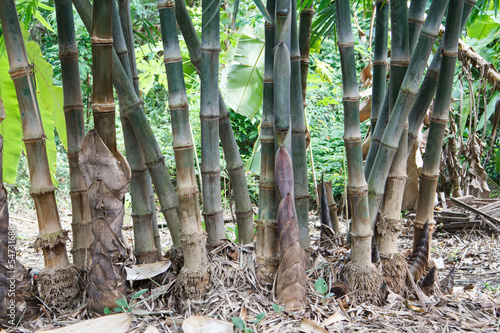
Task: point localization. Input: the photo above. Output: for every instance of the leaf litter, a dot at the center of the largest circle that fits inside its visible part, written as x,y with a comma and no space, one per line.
235,291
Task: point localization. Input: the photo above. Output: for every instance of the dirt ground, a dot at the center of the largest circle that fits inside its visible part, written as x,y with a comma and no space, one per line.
236,292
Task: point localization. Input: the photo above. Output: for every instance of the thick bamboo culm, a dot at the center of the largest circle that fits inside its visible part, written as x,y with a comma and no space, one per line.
153,157
209,115
126,23
305,24
428,87
357,188
187,188
145,249
103,101
439,120
379,60
58,282
299,151
235,166
399,115
416,16
75,130
267,239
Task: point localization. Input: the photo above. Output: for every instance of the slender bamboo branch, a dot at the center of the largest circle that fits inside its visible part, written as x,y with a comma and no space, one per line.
305,24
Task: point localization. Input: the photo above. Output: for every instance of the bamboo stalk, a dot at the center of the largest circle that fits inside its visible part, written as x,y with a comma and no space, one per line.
126,24
153,157
103,102
145,249
399,115
428,87
58,282
234,163
379,60
305,24
439,120
209,114
299,151
361,274
75,130
416,15
195,256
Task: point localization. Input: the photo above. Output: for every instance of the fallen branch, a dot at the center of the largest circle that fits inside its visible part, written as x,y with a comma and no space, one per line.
477,211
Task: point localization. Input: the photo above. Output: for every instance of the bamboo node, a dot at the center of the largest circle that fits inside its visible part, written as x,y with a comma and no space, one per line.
162,4
351,98
451,54
415,21
103,108
265,224
428,34
368,234
65,53
34,139
138,171
71,107
171,60
429,176
42,191
357,190
20,71
207,215
101,41
345,44
400,62
130,107
235,168
382,62
439,120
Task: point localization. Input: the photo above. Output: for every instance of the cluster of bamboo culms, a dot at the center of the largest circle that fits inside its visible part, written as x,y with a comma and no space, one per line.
58,282
397,113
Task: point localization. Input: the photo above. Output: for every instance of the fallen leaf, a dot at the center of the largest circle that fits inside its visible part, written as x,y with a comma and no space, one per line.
334,318
309,326
146,271
202,324
117,323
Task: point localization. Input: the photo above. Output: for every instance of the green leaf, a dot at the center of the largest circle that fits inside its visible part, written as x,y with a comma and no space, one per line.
139,293
42,21
321,286
259,317
238,323
482,27
263,10
122,303
106,311
497,160
490,109
117,310
277,308
10,128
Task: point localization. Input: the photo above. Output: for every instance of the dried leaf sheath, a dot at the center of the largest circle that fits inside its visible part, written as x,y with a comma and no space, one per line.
107,181
418,260
291,278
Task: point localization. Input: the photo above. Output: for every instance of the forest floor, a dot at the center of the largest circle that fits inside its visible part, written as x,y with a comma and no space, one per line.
236,292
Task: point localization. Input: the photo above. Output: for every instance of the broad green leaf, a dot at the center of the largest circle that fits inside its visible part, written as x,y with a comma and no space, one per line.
483,26
497,160
238,323
50,103
121,302
244,91
490,109
321,286
10,128
253,163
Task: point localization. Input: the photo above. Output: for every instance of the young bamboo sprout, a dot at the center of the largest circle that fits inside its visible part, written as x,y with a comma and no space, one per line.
58,283
75,130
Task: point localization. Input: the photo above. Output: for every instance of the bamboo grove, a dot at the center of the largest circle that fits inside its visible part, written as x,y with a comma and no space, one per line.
100,175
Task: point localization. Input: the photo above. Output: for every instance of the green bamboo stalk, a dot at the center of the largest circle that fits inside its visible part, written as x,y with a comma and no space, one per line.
75,130
379,60
153,157
267,243
416,15
428,87
145,249
399,115
58,283
305,24
360,272
195,256
439,120
299,132
126,23
103,102
234,163
209,114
